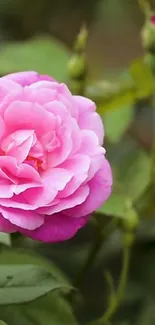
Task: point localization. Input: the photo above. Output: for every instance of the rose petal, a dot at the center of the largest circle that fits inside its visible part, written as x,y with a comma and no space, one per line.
84,104
56,228
79,166
18,144
6,226
90,143
25,219
92,121
27,77
31,116
75,199
100,189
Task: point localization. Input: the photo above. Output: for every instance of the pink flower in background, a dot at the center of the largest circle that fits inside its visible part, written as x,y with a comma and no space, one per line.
53,170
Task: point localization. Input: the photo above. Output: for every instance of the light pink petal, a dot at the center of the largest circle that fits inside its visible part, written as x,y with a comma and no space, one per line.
97,161
18,144
31,116
56,178
45,84
26,78
60,154
25,185
16,179
25,219
66,98
58,109
76,136
56,228
38,197
6,226
75,199
63,95
6,189
92,121
6,86
19,202
43,96
2,128
90,143
26,172
16,173
100,189
84,104
53,180
79,166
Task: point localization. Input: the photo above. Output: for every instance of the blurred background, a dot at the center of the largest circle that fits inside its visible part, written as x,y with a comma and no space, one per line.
39,35
114,26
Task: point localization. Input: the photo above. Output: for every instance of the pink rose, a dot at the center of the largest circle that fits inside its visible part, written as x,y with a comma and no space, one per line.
53,169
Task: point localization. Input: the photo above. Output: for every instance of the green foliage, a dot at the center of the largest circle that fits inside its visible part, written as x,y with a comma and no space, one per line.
35,278
5,239
115,206
44,55
134,173
111,96
133,177
24,257
33,281
142,77
116,122
52,309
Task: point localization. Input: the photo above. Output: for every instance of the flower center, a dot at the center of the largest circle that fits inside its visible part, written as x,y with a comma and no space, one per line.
35,162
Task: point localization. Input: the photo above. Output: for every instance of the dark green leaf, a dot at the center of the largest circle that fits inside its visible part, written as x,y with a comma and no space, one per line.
45,56
22,257
52,309
24,283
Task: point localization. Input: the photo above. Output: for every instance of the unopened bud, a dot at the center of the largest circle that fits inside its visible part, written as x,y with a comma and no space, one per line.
130,220
80,43
148,34
77,66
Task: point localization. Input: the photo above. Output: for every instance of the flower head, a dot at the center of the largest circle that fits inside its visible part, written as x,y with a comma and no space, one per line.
53,170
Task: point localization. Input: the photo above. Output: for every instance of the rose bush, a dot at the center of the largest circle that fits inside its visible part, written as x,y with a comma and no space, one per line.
53,170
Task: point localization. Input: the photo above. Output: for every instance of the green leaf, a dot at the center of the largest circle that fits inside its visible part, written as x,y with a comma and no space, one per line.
116,122
112,95
24,283
52,309
2,323
46,56
134,173
143,78
115,206
5,239
130,181
22,257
